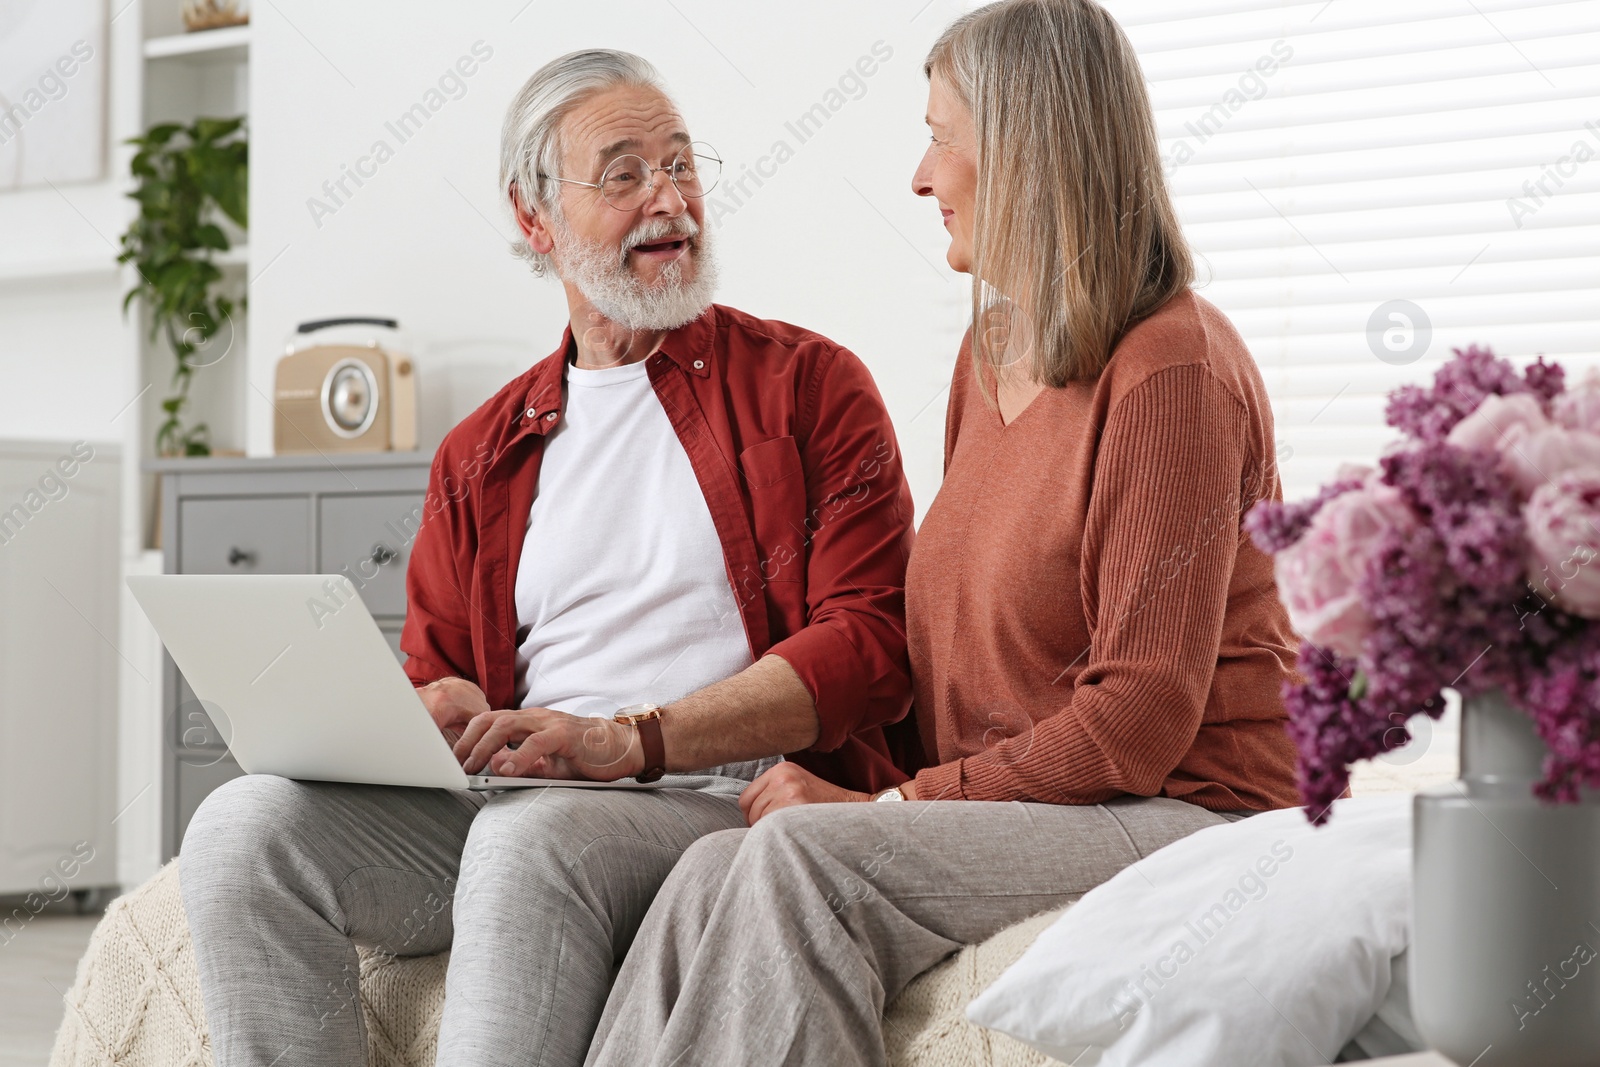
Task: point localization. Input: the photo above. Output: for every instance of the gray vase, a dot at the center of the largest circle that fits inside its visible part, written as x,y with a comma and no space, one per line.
1505,952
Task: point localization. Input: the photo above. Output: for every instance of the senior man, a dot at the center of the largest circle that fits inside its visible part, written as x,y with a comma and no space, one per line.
682,506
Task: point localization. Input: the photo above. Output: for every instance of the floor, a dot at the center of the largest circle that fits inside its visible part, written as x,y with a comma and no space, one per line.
37,966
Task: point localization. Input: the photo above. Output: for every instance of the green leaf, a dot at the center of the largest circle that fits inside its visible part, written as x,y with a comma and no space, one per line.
1358,685
173,276
227,187
154,194
210,236
206,130
160,135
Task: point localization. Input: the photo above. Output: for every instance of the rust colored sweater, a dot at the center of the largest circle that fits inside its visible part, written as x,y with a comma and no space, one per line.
1086,617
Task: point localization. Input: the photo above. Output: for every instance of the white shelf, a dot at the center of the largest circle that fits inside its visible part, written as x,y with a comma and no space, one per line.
229,44
65,267
91,266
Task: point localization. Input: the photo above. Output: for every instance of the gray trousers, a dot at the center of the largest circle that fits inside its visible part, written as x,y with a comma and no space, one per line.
537,892
781,944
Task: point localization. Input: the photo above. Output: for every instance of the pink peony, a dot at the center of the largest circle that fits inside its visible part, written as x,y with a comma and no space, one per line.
1563,518
1534,458
1496,421
1359,472
1319,576
1579,407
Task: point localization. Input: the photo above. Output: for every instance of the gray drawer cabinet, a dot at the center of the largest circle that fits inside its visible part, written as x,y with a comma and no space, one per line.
244,535
357,531
354,514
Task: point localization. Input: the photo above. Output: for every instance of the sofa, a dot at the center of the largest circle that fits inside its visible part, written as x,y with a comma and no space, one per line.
135,1000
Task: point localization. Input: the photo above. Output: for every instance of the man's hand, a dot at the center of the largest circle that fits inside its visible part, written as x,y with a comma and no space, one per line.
549,744
789,784
452,702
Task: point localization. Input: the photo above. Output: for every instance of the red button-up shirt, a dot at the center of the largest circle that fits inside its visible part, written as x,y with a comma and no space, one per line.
800,468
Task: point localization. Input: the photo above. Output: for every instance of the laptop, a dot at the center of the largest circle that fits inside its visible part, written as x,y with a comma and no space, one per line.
303,683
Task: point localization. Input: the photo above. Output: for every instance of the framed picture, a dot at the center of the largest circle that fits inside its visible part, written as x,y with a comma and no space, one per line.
52,91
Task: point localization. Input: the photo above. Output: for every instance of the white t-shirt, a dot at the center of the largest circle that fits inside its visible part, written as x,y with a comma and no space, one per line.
622,592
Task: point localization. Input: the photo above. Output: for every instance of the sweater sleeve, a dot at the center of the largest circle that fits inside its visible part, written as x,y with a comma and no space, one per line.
1159,544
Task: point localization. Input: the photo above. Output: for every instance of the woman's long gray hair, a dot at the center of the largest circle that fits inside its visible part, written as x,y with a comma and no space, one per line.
1075,238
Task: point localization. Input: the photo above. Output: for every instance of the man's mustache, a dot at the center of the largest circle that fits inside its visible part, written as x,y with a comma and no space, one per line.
658,230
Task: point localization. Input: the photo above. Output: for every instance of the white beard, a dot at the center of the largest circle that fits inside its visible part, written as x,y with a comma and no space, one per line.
603,276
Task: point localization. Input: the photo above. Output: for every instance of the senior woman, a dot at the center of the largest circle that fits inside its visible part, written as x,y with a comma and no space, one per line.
1091,634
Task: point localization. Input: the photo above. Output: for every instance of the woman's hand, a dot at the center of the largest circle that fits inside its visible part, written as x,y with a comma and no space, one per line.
549,744
789,784
452,702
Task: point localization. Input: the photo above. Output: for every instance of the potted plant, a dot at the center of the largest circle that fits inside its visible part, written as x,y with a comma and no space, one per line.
1469,559
187,177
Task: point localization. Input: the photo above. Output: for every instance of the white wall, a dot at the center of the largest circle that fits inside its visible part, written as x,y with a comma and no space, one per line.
63,356
834,240
66,364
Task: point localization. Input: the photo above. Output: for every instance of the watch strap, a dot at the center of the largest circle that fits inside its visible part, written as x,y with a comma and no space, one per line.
655,751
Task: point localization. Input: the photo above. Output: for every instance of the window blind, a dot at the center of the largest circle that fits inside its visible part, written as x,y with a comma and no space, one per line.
1369,184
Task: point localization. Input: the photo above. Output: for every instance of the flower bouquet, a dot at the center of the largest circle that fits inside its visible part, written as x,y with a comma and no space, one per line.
1467,559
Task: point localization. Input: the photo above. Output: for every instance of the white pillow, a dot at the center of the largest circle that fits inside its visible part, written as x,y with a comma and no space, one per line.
1264,942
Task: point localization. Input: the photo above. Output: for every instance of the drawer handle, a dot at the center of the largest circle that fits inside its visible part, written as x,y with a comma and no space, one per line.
237,555
383,554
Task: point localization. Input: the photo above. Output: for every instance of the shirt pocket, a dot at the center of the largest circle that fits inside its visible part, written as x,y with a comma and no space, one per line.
776,482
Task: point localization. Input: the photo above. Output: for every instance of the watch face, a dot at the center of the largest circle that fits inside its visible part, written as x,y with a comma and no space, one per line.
634,713
890,794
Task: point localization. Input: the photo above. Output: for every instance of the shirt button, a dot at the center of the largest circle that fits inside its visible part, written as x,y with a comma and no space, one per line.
699,364
550,417
531,413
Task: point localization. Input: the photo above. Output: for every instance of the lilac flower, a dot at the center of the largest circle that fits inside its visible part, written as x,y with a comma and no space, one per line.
1546,379
1561,699
1459,387
1473,508
1274,525
1329,729
1448,597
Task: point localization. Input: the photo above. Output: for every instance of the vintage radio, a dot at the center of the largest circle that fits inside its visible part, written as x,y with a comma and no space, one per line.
357,395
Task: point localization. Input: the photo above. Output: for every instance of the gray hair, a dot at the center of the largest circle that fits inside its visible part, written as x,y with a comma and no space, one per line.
1073,224
530,137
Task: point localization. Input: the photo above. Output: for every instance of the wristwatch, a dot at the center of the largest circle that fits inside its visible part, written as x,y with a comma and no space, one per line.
646,718
892,793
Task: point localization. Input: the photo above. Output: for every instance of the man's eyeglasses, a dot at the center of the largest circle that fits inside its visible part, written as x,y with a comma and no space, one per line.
628,181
